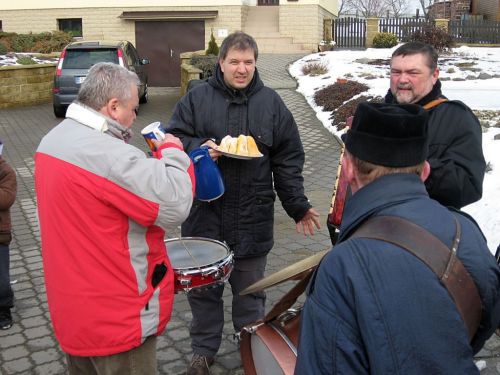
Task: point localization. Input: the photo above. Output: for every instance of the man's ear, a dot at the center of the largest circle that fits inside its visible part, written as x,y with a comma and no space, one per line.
349,171
111,108
435,76
426,171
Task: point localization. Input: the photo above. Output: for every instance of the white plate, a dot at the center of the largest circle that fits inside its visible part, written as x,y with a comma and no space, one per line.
243,157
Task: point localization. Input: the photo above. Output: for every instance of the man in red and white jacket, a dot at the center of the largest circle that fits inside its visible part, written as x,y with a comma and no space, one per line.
102,204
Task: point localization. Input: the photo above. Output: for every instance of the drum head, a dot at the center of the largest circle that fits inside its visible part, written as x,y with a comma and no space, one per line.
190,252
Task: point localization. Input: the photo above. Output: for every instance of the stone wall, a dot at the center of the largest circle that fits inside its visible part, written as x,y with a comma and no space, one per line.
304,23
26,84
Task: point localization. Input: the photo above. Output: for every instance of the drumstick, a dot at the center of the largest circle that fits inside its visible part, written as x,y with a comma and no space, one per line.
187,250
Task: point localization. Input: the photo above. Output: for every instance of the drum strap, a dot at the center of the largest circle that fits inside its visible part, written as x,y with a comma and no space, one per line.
434,103
290,297
436,255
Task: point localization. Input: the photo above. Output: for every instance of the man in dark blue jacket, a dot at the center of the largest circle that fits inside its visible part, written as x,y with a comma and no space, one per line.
235,102
372,307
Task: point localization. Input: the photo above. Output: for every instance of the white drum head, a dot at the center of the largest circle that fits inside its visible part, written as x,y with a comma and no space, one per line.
191,252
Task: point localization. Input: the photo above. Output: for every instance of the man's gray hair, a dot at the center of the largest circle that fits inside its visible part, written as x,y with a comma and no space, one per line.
104,82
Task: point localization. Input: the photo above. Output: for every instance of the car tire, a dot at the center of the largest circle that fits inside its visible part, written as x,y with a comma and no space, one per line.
60,110
144,97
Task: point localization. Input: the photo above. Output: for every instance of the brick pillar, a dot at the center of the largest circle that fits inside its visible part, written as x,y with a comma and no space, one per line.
371,30
327,29
442,23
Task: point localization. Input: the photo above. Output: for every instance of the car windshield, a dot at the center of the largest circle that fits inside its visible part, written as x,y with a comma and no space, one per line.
85,58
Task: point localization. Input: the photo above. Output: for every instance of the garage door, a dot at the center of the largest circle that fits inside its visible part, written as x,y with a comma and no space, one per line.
162,42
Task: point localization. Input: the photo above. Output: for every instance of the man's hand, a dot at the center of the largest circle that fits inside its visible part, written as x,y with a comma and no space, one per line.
169,138
214,154
308,222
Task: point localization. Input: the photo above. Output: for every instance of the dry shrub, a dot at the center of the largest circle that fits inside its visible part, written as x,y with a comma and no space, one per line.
314,68
340,115
333,96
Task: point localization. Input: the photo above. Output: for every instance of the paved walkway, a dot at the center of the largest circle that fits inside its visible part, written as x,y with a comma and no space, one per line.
29,347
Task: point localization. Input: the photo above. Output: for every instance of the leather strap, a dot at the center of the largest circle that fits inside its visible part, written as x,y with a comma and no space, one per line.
434,253
290,297
434,103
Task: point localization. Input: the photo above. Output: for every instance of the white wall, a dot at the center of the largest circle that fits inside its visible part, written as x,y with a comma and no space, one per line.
51,4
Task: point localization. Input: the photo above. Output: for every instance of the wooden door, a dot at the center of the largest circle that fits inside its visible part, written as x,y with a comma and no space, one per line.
162,42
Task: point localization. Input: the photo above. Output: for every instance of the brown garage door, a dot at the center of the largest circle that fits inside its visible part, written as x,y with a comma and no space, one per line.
162,42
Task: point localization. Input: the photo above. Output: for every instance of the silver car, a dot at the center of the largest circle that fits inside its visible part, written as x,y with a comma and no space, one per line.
76,60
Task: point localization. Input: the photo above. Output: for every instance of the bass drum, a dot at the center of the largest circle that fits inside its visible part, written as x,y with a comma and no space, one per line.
271,348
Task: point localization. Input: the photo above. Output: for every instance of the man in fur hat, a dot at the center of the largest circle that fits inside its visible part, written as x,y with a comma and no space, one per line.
372,307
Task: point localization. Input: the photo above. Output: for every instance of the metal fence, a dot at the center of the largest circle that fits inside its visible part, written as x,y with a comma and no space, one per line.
349,32
475,31
402,27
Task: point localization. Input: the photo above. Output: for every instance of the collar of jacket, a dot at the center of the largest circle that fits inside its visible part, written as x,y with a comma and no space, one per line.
434,94
95,120
383,192
236,96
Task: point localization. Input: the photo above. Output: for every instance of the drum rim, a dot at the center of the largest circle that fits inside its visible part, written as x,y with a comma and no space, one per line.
199,238
189,271
228,260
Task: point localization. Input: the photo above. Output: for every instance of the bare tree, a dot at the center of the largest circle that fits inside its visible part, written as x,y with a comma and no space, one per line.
374,8
397,7
370,8
425,4
346,7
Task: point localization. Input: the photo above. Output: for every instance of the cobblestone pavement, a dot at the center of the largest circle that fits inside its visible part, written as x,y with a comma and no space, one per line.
30,347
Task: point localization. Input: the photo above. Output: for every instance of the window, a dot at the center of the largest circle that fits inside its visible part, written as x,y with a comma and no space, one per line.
85,58
1,25
71,25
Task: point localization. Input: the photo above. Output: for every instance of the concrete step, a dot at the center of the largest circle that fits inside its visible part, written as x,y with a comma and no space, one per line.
263,24
259,33
284,50
278,45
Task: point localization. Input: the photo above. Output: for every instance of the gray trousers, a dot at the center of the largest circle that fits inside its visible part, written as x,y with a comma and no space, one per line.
137,361
207,306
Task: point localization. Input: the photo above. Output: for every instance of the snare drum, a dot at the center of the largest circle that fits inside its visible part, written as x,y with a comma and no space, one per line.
198,262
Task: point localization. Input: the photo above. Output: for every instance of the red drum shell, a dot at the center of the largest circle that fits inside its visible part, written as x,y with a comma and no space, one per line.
271,348
198,262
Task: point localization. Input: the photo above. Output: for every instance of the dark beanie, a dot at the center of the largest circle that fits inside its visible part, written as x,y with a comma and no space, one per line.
391,135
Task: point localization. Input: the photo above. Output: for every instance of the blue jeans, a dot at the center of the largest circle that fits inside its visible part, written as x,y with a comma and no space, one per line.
6,294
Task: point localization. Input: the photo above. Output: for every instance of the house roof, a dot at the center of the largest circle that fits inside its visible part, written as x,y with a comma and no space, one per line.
169,15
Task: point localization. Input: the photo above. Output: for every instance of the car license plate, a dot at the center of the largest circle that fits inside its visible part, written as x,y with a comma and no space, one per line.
79,79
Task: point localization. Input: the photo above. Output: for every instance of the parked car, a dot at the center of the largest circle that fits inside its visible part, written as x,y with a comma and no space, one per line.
76,60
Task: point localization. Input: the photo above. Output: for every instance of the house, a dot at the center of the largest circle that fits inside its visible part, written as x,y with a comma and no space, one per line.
453,10
465,9
490,9
162,29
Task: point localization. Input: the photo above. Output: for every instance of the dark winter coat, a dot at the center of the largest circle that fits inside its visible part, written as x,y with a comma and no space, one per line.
455,151
8,191
374,308
243,217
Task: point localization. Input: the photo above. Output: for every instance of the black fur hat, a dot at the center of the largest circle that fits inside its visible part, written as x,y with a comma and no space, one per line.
391,135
